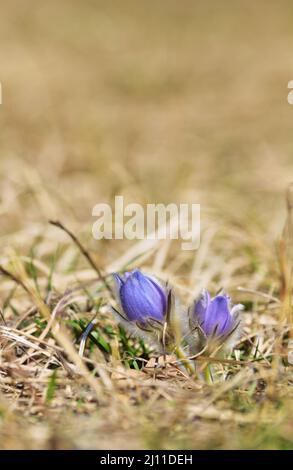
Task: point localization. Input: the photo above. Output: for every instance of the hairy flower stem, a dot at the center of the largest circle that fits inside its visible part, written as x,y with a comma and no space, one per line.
208,375
184,360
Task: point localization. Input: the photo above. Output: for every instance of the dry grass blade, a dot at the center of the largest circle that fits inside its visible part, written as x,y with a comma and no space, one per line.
85,253
57,330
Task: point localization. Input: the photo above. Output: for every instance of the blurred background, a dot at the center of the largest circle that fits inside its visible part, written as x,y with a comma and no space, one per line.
159,101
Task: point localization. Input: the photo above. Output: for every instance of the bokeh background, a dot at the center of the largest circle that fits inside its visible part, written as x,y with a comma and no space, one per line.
158,101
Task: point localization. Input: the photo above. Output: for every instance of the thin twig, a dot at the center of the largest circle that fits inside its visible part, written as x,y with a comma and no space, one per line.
269,297
7,273
85,253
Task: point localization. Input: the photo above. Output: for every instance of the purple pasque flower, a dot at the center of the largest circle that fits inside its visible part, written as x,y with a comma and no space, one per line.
215,316
142,298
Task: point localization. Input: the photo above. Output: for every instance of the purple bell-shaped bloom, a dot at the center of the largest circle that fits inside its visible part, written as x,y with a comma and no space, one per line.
215,316
141,297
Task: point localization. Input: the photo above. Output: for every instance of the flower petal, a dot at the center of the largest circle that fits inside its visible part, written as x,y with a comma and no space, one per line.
142,298
237,308
218,319
119,281
200,307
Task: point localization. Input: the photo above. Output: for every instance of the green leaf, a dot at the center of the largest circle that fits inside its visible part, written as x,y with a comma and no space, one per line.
51,387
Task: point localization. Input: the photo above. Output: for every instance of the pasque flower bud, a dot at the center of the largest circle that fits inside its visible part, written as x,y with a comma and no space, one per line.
215,316
141,297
